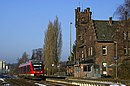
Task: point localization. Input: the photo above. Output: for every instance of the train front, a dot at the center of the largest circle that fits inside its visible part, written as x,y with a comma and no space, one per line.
38,68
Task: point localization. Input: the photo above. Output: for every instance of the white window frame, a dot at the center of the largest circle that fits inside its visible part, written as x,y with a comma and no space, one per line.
128,35
128,51
91,51
104,48
82,54
125,35
125,51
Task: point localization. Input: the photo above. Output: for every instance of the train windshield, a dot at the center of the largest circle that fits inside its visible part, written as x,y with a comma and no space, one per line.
37,66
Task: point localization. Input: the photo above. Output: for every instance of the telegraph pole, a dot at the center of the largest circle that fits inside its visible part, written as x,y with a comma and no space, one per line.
70,38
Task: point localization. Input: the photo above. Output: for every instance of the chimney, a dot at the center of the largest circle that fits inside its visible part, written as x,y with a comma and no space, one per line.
90,14
88,9
110,20
78,9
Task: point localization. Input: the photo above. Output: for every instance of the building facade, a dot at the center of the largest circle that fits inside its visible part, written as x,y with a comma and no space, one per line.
4,68
99,44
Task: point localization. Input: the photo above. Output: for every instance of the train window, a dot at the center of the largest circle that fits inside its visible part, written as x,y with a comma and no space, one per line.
21,69
37,66
28,68
24,69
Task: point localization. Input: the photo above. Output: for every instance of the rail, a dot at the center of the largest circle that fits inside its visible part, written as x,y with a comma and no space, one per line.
86,82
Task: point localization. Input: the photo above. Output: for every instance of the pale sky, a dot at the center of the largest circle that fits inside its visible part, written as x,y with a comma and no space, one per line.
23,23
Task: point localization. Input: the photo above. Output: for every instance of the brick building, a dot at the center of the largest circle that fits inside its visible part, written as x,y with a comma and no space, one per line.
99,43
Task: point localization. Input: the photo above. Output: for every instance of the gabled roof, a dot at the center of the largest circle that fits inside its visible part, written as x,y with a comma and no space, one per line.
104,30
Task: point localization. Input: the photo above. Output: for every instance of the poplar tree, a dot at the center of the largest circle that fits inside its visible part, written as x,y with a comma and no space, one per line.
52,46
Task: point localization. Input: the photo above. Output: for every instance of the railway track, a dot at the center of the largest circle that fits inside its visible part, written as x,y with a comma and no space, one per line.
30,82
19,82
56,82
47,83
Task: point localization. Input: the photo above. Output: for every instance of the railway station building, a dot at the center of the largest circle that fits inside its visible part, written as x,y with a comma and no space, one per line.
100,44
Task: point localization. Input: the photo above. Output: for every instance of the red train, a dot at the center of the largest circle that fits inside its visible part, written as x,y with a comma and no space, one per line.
32,68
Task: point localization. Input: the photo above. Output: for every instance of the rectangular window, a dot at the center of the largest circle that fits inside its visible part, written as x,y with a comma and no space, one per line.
129,51
104,50
37,66
125,51
128,35
91,51
77,69
82,54
88,51
87,68
104,65
24,69
85,54
28,68
125,35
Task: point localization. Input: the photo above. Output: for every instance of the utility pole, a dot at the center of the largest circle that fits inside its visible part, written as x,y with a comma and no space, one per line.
70,39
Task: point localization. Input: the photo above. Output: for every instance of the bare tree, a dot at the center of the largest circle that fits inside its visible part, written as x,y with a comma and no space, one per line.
37,54
122,9
52,45
23,59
